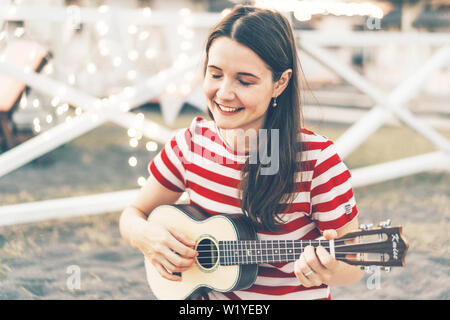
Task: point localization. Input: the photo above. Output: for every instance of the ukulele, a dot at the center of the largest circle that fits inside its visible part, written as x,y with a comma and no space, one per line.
229,250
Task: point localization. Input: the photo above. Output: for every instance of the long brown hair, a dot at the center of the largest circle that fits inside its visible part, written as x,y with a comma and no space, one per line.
269,34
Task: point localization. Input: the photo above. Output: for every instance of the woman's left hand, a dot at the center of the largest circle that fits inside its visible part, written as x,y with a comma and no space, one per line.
316,266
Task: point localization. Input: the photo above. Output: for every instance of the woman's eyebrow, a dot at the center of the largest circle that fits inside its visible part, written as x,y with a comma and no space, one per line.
239,73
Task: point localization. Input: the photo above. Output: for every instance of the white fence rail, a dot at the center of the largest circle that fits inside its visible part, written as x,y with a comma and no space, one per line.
99,111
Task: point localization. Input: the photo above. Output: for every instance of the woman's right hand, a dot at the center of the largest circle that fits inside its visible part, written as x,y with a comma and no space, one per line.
167,249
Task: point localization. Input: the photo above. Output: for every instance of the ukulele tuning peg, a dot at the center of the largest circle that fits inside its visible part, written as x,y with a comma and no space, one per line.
366,226
385,224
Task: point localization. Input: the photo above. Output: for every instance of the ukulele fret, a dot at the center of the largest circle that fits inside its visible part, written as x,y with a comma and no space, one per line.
263,251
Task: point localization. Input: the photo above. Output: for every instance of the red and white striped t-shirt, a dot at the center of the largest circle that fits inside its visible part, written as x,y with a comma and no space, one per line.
198,161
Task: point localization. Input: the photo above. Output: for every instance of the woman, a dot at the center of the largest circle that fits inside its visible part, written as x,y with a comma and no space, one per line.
303,191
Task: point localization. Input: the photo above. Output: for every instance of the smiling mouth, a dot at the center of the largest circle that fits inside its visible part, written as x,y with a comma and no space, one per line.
227,109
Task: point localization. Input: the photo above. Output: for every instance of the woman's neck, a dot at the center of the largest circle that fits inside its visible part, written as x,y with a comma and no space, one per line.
239,140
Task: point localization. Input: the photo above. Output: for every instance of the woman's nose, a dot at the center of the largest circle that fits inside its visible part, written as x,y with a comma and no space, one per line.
225,91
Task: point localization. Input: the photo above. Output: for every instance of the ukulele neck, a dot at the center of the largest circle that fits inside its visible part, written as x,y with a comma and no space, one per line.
265,251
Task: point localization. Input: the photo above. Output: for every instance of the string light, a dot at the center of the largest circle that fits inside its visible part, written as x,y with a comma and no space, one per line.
304,10
48,69
132,161
71,79
143,35
102,28
91,68
103,8
151,146
117,61
131,132
55,101
23,101
133,55
132,29
19,32
141,181
36,103
147,12
131,75
133,142
150,53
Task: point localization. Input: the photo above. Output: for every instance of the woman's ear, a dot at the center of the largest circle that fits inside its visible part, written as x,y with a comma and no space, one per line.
282,83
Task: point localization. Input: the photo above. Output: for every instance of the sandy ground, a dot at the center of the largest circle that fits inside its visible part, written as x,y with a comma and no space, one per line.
35,259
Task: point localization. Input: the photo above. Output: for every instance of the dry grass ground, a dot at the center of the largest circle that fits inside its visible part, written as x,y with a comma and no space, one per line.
34,258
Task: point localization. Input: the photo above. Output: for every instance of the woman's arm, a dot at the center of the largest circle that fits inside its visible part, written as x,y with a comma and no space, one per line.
325,268
167,249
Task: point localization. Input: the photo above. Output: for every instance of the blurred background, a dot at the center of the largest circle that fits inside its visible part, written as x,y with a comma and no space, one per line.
91,90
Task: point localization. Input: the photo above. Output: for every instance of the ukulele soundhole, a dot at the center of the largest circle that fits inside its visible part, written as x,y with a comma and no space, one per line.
208,254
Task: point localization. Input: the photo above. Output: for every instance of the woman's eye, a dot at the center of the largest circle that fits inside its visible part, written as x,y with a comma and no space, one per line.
244,83
215,76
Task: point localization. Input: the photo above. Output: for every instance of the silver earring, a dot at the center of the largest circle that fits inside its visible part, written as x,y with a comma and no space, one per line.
274,103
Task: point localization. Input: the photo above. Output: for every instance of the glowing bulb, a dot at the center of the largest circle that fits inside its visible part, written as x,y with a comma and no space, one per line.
151,146
36,103
117,61
131,75
133,55
150,53
19,32
102,28
140,117
131,132
132,29
132,161
147,11
71,79
134,142
55,101
129,91
48,69
103,8
143,35
23,102
49,118
141,181
124,107
91,68
184,12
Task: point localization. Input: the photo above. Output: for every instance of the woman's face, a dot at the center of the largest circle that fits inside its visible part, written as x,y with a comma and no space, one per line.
237,84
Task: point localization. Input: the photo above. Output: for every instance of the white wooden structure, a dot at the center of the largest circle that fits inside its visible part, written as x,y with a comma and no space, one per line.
98,111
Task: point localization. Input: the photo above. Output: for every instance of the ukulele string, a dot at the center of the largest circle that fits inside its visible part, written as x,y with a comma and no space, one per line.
303,244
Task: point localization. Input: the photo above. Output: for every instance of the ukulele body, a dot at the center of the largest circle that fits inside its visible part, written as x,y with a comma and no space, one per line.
206,272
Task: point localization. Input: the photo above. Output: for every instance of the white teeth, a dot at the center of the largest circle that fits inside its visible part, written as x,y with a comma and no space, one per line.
227,109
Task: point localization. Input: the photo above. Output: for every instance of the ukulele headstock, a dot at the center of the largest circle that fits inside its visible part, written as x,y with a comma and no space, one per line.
383,246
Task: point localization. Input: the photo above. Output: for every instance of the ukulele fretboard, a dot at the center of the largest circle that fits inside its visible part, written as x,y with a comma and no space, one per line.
264,251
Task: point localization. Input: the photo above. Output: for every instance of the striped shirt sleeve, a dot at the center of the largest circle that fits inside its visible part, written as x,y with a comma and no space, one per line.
168,165
333,203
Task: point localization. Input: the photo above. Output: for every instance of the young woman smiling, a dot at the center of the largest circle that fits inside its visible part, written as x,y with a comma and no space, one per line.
252,84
